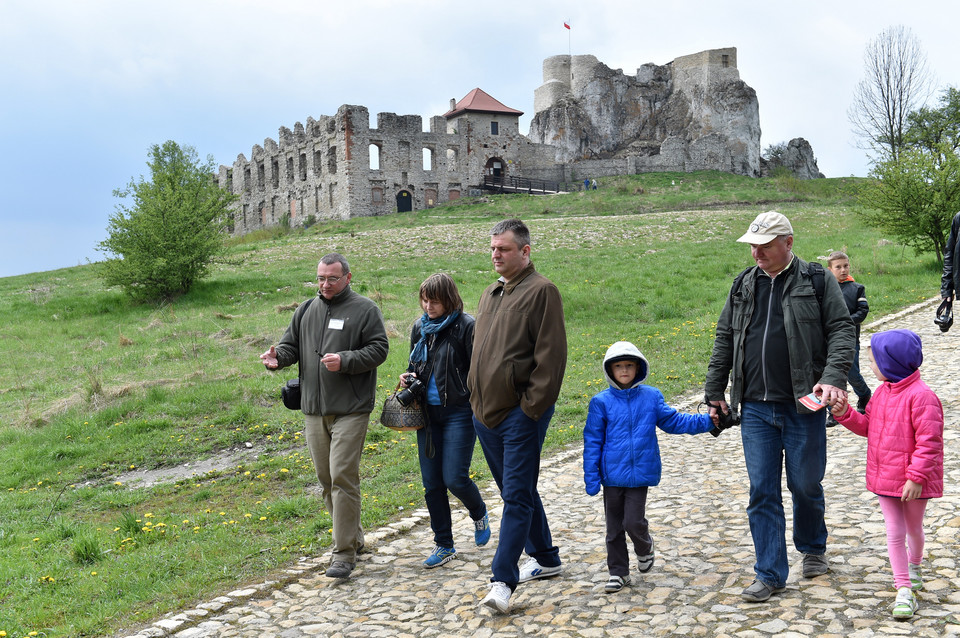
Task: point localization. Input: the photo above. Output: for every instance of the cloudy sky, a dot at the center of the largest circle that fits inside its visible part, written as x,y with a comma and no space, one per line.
87,87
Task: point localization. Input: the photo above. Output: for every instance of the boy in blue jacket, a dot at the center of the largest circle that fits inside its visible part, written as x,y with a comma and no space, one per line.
620,452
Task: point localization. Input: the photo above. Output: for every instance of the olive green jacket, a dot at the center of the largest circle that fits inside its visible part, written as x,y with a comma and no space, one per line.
820,336
350,325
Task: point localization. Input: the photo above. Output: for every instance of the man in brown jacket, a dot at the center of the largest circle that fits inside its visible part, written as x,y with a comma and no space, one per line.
519,357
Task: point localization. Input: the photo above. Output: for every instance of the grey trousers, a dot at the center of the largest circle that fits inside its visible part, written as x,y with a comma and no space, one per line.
335,444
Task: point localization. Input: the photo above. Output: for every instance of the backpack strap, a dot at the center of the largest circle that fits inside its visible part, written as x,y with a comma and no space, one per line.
816,278
738,281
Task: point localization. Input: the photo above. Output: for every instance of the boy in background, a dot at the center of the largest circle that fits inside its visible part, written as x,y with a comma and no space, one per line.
855,296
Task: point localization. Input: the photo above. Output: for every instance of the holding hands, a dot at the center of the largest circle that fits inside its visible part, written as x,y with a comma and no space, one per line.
839,407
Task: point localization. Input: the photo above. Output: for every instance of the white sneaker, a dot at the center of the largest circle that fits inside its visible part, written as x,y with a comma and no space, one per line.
905,605
532,570
498,598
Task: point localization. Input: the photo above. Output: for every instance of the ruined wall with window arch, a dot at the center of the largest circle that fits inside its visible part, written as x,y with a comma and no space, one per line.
327,170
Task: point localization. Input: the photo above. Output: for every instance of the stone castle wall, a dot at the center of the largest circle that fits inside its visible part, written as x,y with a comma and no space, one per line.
693,113
337,167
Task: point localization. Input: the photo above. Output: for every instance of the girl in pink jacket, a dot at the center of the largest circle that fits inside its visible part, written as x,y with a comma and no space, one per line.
903,424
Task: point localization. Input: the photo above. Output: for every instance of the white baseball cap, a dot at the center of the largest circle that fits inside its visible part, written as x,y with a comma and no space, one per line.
767,227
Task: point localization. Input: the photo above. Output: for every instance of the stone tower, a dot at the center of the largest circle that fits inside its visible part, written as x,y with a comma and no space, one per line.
691,114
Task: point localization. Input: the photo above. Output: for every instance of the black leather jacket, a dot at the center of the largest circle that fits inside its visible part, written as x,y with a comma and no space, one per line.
950,281
448,359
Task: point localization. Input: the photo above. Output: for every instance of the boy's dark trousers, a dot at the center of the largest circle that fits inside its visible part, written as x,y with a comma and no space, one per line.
625,511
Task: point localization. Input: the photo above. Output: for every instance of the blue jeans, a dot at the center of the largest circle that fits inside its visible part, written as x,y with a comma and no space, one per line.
854,377
512,450
775,435
453,438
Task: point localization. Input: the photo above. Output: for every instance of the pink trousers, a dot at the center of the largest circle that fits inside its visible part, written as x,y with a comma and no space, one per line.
905,538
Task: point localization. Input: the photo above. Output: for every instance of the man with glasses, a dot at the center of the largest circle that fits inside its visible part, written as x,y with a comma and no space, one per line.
338,339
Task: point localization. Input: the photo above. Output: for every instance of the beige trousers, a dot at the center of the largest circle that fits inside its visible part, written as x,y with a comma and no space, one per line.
335,444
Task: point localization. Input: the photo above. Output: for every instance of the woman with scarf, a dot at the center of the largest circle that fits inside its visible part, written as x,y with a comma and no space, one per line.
441,343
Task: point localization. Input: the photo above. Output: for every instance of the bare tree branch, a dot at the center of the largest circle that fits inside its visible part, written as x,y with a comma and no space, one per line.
896,82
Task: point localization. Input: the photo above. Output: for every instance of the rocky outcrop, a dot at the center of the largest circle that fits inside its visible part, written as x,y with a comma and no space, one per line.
796,156
691,114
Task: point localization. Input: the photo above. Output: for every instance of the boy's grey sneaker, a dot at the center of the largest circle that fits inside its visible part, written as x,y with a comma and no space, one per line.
440,556
759,591
815,565
498,599
616,583
532,570
645,562
916,577
339,569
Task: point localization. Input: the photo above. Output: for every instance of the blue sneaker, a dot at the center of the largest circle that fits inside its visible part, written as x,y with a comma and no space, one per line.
440,556
482,530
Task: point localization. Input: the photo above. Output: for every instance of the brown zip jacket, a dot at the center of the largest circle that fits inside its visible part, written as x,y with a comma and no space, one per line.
519,348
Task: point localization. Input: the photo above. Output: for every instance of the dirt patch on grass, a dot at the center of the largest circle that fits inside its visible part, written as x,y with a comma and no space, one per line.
225,460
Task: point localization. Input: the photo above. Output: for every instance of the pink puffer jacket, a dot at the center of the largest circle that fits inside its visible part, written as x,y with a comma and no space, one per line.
904,429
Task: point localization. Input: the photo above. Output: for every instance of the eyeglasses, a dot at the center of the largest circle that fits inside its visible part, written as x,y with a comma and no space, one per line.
330,280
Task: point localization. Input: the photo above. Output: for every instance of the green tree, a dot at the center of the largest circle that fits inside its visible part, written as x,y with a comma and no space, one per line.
915,195
937,130
164,241
774,153
914,198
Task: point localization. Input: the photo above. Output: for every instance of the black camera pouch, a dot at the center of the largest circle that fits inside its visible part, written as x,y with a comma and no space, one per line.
290,393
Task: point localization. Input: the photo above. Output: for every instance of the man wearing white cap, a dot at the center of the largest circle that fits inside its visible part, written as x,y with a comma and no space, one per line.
783,333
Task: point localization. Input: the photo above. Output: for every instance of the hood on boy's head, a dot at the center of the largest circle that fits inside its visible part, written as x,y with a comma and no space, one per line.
620,351
898,353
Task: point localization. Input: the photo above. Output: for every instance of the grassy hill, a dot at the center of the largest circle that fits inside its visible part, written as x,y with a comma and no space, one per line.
99,395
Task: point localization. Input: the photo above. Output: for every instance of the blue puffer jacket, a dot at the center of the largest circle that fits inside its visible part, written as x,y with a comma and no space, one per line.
620,438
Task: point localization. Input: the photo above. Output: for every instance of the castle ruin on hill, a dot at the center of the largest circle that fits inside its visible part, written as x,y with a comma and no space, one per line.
694,113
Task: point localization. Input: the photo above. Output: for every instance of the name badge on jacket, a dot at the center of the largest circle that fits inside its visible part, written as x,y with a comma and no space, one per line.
335,324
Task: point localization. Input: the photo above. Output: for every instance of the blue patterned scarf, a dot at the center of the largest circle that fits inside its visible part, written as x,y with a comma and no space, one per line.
430,326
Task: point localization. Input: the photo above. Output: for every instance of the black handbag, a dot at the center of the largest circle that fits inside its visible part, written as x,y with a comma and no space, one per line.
402,418
290,393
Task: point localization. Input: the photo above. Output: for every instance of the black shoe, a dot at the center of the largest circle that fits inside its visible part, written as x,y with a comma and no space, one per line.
831,421
815,565
862,402
339,569
759,591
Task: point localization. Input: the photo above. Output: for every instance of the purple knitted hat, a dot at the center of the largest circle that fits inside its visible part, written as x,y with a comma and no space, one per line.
898,353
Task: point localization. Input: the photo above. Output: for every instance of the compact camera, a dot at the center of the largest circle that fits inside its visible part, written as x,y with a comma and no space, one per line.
944,315
412,392
727,420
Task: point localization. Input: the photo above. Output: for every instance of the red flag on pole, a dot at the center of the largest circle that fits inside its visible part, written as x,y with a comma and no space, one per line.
566,25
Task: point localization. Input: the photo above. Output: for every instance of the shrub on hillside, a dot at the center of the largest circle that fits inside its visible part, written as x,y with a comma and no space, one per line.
164,242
